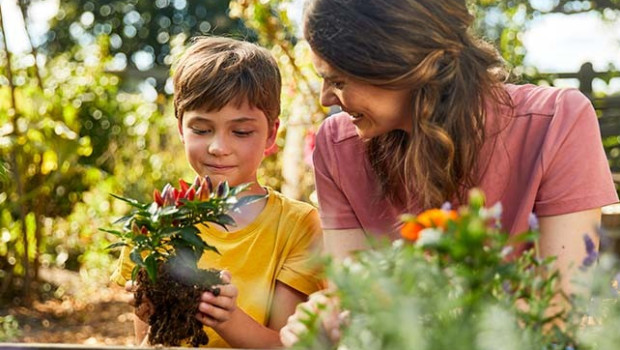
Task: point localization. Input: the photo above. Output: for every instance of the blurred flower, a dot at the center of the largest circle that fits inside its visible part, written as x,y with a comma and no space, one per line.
428,236
432,218
532,221
615,284
309,144
591,253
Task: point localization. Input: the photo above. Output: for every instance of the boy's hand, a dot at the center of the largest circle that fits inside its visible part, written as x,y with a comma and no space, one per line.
213,311
145,309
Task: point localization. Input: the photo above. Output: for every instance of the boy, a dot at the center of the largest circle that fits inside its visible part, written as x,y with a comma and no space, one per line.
227,102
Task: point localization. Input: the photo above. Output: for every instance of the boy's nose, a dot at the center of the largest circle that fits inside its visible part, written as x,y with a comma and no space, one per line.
218,146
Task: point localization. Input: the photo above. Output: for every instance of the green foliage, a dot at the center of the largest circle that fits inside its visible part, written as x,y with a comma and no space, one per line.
166,228
458,283
9,328
145,27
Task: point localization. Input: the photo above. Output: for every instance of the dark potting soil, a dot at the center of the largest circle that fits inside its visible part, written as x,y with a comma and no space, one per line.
175,297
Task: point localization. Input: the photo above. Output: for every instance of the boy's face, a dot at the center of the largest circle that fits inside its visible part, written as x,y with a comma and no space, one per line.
228,144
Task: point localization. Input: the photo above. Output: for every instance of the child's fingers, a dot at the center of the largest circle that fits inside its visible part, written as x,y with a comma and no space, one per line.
222,302
227,290
144,310
130,286
225,276
206,320
215,313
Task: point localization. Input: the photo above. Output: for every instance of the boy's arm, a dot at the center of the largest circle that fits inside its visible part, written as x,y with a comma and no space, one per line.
238,328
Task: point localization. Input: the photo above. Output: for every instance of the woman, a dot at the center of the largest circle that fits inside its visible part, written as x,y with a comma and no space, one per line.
427,116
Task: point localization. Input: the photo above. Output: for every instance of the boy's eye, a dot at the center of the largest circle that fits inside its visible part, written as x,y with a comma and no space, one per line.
243,133
200,131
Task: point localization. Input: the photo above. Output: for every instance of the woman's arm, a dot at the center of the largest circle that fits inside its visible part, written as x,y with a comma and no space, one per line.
562,236
341,243
238,328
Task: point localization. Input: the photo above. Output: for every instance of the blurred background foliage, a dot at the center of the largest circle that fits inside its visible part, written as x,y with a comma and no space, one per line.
87,112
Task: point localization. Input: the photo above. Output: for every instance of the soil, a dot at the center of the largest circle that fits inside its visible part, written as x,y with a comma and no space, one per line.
102,318
175,298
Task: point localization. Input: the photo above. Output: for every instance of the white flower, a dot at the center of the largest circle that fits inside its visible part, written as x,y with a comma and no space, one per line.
428,236
494,212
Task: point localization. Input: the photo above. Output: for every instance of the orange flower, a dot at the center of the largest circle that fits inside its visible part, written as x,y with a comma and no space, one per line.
436,218
411,231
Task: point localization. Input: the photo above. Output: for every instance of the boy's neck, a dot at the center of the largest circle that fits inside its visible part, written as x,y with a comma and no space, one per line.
246,214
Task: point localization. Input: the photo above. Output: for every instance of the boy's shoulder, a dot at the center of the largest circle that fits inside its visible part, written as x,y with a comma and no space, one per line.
289,204
290,210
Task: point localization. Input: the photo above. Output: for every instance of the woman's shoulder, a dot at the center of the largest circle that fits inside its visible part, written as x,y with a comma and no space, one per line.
337,128
532,99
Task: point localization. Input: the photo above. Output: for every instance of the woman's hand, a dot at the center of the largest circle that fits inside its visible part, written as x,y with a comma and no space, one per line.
214,311
145,309
326,306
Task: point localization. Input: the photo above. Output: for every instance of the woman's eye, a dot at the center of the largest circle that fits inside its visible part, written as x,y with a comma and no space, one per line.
337,85
243,133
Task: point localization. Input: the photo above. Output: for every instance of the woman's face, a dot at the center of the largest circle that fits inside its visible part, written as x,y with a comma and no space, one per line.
374,111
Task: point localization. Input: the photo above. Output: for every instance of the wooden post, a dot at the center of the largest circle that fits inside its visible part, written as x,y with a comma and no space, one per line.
586,76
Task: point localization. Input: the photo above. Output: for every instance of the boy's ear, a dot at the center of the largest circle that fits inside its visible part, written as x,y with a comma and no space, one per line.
271,146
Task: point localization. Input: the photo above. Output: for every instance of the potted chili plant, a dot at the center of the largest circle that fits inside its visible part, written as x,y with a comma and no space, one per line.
164,243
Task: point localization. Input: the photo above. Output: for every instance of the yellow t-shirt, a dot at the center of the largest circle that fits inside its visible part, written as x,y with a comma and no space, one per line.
279,245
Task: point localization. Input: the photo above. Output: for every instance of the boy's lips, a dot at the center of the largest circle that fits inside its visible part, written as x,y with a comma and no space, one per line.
219,167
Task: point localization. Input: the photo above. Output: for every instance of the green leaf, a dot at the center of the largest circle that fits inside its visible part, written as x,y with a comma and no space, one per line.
247,200
136,257
114,232
130,201
190,235
225,220
116,245
134,272
151,267
123,219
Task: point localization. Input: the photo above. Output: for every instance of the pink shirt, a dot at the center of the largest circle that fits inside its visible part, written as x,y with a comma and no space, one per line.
546,157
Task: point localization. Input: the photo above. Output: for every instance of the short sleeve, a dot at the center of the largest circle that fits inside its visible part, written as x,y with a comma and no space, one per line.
334,207
124,266
576,174
301,269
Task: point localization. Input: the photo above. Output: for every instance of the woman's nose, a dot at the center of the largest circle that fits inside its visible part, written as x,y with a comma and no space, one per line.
328,97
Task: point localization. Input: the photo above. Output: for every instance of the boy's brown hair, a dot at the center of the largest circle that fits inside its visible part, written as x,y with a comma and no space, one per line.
215,71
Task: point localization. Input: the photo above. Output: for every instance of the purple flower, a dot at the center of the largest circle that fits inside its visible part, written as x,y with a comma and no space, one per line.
532,220
591,253
446,206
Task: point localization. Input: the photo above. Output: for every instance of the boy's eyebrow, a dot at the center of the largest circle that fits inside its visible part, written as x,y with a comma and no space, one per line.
243,120
236,120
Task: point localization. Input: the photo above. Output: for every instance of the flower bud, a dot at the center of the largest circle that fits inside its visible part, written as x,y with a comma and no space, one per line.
209,183
184,186
476,198
158,198
190,194
167,195
222,189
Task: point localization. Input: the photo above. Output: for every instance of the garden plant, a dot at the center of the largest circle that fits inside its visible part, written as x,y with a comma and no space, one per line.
453,281
164,243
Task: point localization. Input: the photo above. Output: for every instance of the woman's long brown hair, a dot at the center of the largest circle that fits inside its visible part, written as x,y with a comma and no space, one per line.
425,46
